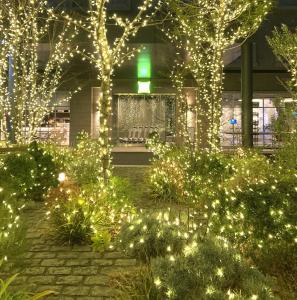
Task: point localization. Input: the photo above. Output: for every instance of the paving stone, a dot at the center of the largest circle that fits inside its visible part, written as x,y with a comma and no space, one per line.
76,291
84,248
91,254
34,271
102,262
102,291
53,262
55,288
60,248
92,298
113,255
77,262
34,262
71,254
69,280
42,279
112,269
96,280
59,270
60,297
85,270
125,262
44,255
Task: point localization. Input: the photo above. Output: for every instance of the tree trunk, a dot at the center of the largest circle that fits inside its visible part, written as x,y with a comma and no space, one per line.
104,128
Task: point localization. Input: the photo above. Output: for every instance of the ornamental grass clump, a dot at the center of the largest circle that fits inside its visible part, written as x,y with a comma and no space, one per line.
209,269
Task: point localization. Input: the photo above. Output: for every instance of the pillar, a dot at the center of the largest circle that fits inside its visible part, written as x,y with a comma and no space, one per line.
247,94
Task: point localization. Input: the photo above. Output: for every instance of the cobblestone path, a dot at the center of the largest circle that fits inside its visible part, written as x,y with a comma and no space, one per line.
73,272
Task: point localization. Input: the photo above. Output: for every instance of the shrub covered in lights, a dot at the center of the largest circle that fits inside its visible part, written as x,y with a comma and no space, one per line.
28,174
262,214
17,174
11,231
210,269
85,166
46,172
148,236
185,175
93,212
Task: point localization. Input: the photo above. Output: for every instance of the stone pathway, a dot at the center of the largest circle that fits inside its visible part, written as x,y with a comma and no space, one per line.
73,272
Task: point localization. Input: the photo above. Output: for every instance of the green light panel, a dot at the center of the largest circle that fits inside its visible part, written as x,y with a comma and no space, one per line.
144,65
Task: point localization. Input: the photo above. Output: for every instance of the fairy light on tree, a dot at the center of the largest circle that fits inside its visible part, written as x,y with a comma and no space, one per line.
284,45
23,27
206,29
108,55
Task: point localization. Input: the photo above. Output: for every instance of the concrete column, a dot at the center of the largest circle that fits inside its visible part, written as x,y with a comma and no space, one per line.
81,114
247,94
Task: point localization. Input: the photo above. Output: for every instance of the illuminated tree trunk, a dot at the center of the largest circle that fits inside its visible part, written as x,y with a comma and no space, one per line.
104,126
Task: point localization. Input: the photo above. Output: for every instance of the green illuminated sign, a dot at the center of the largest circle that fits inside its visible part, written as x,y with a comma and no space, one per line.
144,87
144,70
144,65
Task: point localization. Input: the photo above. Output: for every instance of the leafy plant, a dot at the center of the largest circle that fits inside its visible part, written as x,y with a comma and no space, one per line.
18,174
209,269
134,284
90,213
46,172
185,175
5,294
262,214
147,237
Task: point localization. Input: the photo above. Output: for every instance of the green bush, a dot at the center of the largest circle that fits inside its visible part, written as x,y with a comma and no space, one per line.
209,270
185,175
18,174
11,229
85,166
147,237
47,172
92,213
260,215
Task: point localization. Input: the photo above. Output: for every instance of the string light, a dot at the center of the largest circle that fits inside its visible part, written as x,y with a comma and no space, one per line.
27,96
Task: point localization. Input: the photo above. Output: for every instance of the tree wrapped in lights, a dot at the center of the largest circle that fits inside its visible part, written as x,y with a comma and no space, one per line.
284,45
207,29
27,86
108,55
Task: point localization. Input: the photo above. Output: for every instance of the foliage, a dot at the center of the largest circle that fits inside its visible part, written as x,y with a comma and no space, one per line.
5,294
18,174
85,164
184,175
134,284
203,30
28,174
260,215
147,237
24,25
248,167
47,172
280,261
210,269
11,231
90,213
